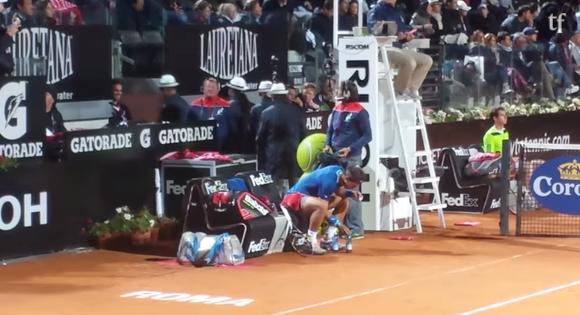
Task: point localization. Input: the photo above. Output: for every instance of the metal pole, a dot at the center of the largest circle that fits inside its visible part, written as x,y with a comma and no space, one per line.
504,215
335,16
519,194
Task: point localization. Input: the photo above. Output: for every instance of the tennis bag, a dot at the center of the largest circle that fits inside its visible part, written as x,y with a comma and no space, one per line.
200,249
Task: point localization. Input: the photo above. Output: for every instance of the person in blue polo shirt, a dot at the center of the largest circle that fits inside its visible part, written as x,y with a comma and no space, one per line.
348,132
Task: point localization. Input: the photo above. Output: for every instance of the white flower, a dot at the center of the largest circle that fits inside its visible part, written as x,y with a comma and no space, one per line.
554,109
119,210
576,101
152,223
535,106
127,216
107,222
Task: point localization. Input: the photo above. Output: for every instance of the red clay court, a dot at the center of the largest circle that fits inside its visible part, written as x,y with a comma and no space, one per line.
458,271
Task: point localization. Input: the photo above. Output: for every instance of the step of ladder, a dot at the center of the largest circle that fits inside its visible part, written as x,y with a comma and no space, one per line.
431,206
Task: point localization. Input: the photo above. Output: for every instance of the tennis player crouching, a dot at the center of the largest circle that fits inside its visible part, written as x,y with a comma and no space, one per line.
321,190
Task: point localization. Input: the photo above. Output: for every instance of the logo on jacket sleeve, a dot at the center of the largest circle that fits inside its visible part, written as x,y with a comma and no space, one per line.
556,184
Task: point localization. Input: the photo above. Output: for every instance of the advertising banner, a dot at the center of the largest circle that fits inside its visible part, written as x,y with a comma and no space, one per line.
316,122
22,117
194,53
75,60
558,128
153,140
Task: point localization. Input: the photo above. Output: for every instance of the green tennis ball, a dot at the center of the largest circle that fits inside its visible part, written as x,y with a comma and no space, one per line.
308,150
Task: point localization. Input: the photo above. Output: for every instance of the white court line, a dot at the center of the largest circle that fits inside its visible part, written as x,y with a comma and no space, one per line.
521,298
398,285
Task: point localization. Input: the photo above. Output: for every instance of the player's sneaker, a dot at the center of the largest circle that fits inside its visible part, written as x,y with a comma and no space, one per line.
317,249
331,244
354,236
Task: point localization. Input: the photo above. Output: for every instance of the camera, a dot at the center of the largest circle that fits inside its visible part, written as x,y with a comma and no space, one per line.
274,63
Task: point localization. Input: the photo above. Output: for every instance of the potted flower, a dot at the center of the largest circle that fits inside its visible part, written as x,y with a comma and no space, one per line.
145,213
167,228
101,232
7,163
141,230
121,224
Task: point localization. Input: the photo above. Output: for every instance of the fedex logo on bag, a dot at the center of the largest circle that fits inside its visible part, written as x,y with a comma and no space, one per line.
259,246
463,200
260,180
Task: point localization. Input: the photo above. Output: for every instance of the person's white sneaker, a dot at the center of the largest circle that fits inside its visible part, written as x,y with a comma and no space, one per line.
402,96
572,89
414,95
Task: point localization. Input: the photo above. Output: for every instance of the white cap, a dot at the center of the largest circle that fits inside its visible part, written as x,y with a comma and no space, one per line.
237,83
463,6
3,1
434,2
265,86
278,89
167,80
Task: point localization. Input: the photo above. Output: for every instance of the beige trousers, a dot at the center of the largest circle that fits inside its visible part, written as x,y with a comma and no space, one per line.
413,68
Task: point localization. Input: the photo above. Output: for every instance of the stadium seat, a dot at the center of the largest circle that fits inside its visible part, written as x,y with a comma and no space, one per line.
152,38
131,38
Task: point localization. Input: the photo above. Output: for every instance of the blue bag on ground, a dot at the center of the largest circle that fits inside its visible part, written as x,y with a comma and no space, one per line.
201,249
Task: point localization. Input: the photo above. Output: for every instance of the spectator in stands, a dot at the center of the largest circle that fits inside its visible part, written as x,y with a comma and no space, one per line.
252,14
482,20
498,11
321,23
54,121
140,16
537,69
175,108
453,26
437,18
517,22
422,19
575,53
545,26
476,43
308,96
120,112
6,41
463,9
175,14
292,97
281,130
495,73
212,107
352,14
227,15
202,13
44,13
348,132
560,52
325,98
256,111
24,10
413,66
519,73
345,21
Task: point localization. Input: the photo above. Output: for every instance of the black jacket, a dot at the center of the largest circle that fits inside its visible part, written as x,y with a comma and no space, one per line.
54,121
174,109
118,116
282,128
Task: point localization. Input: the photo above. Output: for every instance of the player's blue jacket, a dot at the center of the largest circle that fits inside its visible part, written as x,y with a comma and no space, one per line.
349,127
321,183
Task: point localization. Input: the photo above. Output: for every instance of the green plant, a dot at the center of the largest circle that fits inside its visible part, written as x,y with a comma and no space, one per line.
145,213
7,163
99,229
141,224
122,221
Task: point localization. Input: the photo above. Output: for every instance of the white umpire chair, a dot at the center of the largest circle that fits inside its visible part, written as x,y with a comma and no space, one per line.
394,125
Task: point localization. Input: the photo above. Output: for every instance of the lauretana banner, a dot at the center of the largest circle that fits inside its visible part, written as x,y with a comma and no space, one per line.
194,53
75,60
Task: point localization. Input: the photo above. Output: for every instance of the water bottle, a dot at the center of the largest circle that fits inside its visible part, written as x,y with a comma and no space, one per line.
349,244
335,246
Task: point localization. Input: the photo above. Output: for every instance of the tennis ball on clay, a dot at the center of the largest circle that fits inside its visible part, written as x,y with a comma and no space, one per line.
308,150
